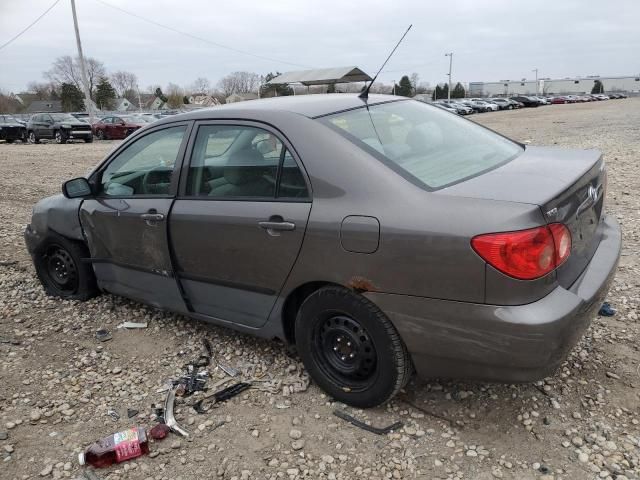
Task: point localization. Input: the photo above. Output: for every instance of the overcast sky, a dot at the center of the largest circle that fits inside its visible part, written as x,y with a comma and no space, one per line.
491,39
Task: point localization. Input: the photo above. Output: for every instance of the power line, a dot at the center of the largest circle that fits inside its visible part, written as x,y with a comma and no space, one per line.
29,26
219,45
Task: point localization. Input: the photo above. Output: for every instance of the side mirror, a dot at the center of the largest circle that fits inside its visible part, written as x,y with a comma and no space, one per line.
76,188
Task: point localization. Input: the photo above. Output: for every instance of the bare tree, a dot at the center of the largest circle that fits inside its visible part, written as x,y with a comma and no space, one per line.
123,82
67,70
201,85
239,82
42,90
175,95
414,78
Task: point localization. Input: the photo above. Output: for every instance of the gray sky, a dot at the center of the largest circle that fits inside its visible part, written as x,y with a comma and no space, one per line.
491,39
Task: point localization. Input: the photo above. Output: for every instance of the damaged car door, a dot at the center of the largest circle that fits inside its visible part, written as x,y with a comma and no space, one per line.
126,221
238,224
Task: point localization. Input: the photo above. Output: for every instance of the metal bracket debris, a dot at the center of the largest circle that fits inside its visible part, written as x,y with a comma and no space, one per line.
103,335
169,419
131,325
203,405
115,416
354,421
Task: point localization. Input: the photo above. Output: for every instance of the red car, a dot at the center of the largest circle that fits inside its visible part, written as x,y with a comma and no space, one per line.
557,100
117,127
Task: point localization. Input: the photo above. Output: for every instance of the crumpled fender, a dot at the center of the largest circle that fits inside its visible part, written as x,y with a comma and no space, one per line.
59,214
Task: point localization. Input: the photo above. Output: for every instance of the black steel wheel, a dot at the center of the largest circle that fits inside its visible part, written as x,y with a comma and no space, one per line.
31,138
350,348
344,351
59,265
61,269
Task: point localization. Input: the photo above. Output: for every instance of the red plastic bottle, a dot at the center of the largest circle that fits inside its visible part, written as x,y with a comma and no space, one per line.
116,448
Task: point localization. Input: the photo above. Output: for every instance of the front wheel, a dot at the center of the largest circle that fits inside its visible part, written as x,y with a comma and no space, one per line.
60,137
350,348
60,269
101,135
31,138
89,140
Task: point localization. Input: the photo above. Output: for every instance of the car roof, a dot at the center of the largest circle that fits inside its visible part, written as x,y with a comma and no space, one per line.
311,106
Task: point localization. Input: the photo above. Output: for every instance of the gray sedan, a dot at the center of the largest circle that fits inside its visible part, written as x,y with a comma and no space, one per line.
378,236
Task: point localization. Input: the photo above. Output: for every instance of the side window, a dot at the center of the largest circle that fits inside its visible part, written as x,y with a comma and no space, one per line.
146,166
234,161
292,184
106,120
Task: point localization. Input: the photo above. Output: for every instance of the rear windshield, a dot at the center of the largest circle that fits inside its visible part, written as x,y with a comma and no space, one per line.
430,146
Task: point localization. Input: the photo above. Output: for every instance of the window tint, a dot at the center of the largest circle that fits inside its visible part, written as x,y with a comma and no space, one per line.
425,143
234,161
146,166
292,184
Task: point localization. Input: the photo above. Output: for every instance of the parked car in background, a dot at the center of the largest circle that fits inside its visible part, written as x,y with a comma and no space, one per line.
601,96
526,101
559,100
11,129
118,127
542,100
502,103
462,109
447,107
60,127
84,116
476,106
209,214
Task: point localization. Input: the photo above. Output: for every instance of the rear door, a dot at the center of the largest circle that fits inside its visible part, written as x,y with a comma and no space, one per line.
238,225
126,223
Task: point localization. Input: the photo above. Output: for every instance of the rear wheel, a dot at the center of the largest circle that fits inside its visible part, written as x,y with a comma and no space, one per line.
89,140
60,269
350,348
9,140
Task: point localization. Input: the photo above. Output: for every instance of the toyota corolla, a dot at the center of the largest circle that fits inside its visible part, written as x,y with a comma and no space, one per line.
379,236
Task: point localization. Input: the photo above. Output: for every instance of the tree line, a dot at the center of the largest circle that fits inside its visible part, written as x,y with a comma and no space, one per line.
63,81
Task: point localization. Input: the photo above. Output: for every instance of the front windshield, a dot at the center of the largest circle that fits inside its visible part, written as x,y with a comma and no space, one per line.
433,148
63,117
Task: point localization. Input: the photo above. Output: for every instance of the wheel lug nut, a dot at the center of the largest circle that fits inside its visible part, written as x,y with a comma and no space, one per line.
352,355
343,357
348,344
339,339
335,349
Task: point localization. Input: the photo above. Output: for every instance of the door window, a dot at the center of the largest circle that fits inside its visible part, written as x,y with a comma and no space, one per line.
146,166
242,161
106,120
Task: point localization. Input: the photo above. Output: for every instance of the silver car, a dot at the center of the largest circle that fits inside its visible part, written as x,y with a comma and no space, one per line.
378,236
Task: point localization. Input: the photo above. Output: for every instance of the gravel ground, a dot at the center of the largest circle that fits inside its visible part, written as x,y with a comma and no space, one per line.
58,382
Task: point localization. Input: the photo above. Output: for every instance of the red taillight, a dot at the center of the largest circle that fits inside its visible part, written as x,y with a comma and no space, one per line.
525,254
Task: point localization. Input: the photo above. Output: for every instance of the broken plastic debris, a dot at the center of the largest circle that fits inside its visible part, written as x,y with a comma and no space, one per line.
133,325
607,310
115,416
354,421
103,335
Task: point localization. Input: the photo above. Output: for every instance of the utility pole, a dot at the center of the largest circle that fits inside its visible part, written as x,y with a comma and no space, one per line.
537,88
450,55
139,99
83,67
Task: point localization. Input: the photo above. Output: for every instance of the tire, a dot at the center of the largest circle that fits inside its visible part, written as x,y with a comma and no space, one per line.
31,138
60,136
350,348
89,140
61,271
101,135
9,140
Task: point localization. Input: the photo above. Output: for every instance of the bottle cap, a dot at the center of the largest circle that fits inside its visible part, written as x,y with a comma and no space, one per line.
81,458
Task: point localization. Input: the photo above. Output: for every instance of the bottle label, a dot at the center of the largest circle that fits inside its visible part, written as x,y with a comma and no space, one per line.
127,445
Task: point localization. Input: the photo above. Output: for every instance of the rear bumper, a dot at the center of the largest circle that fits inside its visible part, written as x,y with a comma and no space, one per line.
503,343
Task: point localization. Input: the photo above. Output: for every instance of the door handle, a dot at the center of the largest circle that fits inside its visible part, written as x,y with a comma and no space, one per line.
152,217
286,226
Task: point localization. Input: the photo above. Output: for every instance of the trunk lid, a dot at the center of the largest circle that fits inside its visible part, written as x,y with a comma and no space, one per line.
568,186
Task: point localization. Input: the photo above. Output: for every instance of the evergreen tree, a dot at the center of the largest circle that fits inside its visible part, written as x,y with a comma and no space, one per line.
458,91
72,98
281,90
405,88
160,95
598,87
105,94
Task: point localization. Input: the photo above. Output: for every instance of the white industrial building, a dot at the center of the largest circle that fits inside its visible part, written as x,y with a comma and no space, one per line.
547,86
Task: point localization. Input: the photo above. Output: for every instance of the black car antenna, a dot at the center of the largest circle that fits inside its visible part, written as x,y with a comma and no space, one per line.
365,93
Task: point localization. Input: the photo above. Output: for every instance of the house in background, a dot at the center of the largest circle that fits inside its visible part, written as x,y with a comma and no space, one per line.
241,97
203,100
44,106
122,105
